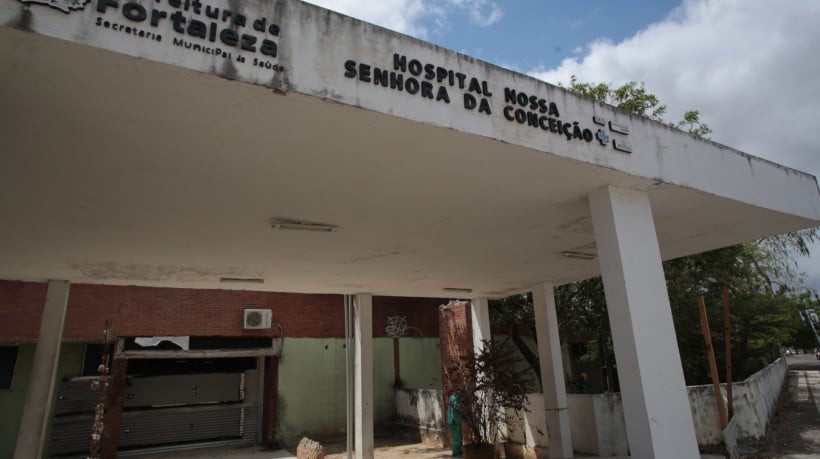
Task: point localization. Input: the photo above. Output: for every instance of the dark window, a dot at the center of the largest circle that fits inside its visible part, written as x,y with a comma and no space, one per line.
92,359
8,360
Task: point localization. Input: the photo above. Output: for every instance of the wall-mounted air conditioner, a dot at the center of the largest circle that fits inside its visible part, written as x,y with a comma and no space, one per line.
257,319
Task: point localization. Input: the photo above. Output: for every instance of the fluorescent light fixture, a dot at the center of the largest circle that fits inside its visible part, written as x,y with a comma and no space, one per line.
457,290
298,225
578,255
241,280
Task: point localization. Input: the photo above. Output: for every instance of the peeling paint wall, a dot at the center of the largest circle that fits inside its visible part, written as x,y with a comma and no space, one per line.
755,400
598,427
420,408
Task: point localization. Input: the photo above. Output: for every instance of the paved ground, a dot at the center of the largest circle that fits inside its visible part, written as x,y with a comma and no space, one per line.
796,426
795,432
385,449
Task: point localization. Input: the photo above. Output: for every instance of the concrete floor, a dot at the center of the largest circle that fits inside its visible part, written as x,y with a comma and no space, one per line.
412,451
420,451
796,433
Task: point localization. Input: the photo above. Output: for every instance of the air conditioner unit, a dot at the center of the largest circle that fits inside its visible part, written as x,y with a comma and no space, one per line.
257,319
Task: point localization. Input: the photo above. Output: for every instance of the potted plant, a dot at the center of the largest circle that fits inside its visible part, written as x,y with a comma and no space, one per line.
489,382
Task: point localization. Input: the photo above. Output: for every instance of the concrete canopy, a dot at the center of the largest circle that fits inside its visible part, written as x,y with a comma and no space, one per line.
161,171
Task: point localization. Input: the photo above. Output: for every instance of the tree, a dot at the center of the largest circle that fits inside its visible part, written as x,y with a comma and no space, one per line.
634,98
631,96
489,382
691,121
762,276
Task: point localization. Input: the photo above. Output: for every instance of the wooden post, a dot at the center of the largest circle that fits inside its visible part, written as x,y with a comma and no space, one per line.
271,394
727,336
396,363
113,413
710,352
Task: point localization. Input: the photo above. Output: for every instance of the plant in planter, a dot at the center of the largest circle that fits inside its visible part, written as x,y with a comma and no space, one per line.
488,383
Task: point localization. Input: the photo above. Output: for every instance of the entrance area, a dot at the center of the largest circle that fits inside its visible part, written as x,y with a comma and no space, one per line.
169,403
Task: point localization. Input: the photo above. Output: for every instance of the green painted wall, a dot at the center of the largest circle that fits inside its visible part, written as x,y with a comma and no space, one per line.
420,360
311,399
11,402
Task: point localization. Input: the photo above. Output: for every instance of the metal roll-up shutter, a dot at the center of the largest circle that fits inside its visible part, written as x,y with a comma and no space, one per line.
167,426
183,389
163,410
75,396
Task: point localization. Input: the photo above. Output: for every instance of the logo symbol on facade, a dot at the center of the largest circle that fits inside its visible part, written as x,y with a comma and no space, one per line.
66,6
621,146
620,128
602,136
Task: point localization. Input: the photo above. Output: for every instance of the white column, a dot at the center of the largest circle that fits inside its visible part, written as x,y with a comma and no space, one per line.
552,373
480,321
363,335
40,391
656,407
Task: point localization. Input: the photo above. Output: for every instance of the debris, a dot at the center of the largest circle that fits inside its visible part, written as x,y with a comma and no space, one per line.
309,449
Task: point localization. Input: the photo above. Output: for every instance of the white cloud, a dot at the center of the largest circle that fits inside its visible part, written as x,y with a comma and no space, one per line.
482,12
749,66
400,15
409,16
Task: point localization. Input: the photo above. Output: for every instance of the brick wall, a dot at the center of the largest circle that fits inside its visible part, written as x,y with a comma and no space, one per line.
456,337
148,311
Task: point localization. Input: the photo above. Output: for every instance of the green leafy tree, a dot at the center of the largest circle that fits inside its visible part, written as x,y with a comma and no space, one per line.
631,96
691,122
762,276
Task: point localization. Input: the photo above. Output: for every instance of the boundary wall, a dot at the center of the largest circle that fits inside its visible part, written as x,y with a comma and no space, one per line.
597,420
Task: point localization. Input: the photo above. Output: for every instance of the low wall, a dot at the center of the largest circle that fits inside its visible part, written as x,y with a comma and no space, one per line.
755,400
421,412
598,427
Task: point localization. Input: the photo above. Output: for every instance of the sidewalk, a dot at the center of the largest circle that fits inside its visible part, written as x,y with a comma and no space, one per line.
796,427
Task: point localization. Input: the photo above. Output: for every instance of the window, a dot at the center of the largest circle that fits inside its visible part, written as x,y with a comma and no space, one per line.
92,359
8,360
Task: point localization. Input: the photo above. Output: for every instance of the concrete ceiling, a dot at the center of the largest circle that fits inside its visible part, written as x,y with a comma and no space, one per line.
123,171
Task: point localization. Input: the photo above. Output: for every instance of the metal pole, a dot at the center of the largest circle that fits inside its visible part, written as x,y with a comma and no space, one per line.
811,324
727,338
348,302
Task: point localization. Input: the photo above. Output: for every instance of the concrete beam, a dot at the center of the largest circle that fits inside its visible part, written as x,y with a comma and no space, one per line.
658,418
552,372
37,409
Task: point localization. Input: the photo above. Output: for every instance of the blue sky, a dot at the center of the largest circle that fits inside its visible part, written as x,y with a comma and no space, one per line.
532,34
751,67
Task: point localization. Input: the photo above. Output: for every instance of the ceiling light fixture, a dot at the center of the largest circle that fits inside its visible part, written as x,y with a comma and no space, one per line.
298,225
242,280
578,255
457,290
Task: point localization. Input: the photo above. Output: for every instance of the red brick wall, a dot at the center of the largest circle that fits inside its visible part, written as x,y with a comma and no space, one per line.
456,340
456,334
148,311
421,313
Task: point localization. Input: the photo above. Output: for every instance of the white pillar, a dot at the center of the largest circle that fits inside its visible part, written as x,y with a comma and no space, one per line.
552,373
480,321
39,394
363,335
656,406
